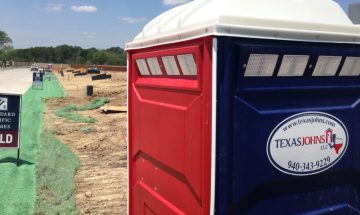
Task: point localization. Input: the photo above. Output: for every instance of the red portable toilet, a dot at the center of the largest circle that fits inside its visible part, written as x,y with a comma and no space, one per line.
211,83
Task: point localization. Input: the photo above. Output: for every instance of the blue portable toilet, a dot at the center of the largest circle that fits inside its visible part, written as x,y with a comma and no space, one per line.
245,107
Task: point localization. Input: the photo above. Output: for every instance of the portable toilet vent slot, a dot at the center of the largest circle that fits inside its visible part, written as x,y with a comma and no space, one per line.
293,65
154,66
245,107
327,66
351,67
170,65
187,64
261,65
142,67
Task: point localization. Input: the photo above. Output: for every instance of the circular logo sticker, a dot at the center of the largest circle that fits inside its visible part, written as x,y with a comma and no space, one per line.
307,143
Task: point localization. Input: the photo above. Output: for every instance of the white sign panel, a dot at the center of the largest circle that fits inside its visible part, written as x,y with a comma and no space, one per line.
3,103
37,79
307,143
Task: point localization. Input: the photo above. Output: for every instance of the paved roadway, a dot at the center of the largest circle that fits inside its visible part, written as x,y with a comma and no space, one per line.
15,81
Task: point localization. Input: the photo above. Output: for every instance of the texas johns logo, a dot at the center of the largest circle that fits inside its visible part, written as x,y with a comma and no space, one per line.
3,104
307,143
328,140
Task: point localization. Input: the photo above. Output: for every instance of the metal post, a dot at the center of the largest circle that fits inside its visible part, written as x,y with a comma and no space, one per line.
18,157
19,135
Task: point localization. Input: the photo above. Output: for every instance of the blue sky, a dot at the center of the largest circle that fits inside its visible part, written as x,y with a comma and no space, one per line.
85,23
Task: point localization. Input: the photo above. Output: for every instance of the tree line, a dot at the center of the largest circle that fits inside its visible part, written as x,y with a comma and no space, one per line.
67,54
61,54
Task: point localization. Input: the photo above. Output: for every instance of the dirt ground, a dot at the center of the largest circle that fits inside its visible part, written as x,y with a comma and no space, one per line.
101,180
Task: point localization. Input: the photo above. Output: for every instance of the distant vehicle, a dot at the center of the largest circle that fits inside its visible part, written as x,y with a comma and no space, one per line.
34,68
49,68
93,70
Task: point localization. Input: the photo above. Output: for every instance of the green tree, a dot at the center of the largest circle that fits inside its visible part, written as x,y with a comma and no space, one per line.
66,54
5,40
79,60
100,58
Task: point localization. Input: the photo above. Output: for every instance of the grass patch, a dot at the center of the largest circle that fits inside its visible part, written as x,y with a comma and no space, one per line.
57,165
94,104
86,130
69,112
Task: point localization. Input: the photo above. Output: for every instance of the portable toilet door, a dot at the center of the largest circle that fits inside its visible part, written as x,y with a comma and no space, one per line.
288,127
245,107
170,128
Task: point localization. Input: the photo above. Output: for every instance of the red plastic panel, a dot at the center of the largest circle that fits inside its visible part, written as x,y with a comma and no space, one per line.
170,134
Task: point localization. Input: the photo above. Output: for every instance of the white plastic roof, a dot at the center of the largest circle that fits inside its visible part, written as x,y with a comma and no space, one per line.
304,20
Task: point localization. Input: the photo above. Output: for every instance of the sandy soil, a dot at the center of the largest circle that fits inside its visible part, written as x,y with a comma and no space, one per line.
101,181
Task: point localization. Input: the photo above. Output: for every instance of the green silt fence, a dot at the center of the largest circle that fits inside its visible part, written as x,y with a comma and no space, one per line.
18,183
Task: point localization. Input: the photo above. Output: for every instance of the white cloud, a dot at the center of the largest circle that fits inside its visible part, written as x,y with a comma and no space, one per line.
132,20
84,8
89,35
174,2
54,7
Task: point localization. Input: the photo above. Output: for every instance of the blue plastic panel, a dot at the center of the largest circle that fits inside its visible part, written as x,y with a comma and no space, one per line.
249,108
